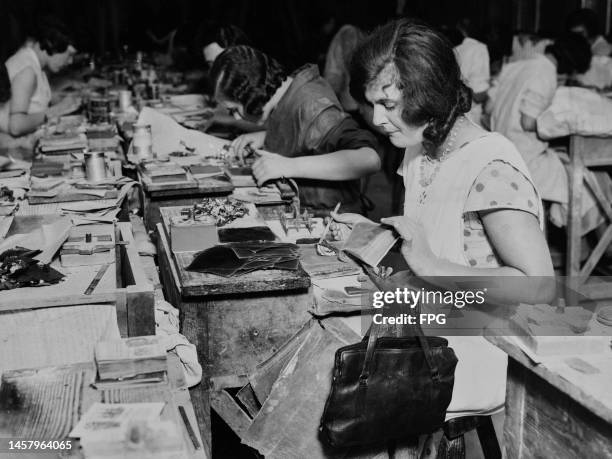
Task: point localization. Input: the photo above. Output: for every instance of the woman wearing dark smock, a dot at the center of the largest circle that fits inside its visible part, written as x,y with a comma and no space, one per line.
307,135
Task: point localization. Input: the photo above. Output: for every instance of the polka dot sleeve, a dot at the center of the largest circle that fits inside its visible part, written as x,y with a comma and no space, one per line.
500,186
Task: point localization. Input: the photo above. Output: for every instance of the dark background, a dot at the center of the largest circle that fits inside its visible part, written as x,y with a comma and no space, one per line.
293,31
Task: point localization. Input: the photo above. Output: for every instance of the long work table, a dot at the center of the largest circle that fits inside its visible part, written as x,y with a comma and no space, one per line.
558,408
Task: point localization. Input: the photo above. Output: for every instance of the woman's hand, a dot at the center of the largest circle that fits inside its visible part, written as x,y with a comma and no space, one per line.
254,139
270,166
341,226
415,247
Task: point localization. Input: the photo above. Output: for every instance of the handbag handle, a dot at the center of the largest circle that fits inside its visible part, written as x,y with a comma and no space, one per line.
374,334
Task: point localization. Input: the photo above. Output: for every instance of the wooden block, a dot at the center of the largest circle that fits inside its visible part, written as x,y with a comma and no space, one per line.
226,407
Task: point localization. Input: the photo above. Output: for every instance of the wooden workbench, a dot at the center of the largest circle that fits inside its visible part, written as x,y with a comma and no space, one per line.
560,408
184,194
124,284
235,323
54,398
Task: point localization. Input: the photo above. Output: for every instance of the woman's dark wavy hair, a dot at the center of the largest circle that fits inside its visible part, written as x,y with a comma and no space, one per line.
427,75
5,85
572,52
248,76
224,35
52,34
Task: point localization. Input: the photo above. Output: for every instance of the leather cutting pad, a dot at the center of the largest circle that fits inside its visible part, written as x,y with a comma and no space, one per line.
240,258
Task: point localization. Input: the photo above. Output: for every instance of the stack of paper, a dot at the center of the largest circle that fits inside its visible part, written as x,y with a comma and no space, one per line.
159,172
61,144
131,360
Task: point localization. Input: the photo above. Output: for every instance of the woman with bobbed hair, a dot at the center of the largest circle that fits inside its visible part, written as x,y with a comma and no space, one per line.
48,49
304,134
470,209
212,40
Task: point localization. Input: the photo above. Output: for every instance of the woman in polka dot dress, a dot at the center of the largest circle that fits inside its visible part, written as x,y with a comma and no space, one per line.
471,208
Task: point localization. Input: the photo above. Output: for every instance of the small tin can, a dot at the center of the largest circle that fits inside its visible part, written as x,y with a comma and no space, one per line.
95,166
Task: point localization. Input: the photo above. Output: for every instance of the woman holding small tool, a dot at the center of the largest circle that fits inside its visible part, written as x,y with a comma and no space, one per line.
471,208
305,133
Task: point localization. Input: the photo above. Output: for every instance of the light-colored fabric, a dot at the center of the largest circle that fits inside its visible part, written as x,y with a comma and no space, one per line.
576,111
167,326
498,186
473,60
572,111
524,48
601,47
481,371
337,63
599,74
526,86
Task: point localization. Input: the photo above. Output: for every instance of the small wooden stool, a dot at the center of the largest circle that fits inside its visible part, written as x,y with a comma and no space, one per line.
452,443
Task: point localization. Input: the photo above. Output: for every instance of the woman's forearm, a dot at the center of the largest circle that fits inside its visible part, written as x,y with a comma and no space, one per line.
505,285
23,123
339,165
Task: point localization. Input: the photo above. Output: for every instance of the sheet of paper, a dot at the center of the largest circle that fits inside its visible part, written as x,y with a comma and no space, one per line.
168,134
113,417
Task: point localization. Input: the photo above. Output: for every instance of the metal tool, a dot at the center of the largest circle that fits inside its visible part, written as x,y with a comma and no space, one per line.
190,431
323,249
295,219
97,278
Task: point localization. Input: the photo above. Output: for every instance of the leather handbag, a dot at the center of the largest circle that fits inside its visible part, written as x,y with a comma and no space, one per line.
387,388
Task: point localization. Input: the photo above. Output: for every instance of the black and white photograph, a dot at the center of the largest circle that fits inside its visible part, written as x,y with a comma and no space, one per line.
306,229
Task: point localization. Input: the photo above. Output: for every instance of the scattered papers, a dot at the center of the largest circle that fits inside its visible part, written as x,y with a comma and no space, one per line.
188,101
169,136
113,419
139,440
48,238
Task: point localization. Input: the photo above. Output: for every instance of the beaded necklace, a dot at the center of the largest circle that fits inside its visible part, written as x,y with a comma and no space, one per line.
425,180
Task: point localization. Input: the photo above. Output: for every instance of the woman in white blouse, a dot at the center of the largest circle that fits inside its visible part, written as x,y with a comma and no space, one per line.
48,49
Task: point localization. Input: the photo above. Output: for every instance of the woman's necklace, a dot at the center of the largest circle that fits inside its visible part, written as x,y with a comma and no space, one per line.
426,179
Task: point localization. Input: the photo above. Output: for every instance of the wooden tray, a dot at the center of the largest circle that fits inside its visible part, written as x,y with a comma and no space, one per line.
124,284
190,283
